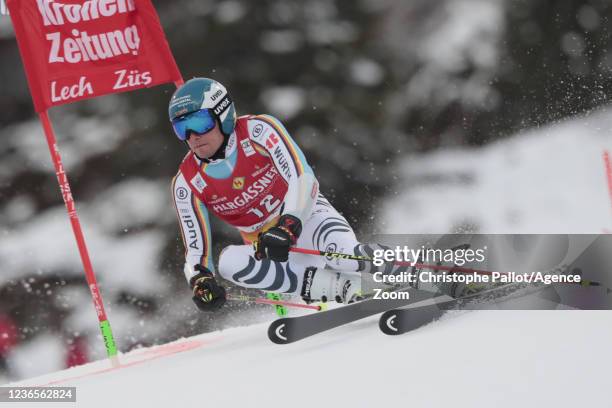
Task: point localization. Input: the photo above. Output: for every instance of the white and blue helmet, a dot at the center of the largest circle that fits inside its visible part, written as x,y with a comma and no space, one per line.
204,94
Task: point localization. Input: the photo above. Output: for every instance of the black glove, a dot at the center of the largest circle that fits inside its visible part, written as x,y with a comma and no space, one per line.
207,294
275,242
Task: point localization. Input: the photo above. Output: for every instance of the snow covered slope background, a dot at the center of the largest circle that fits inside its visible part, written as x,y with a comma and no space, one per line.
468,359
548,180
477,359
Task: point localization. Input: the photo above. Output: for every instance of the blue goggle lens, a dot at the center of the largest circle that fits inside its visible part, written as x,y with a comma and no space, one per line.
201,121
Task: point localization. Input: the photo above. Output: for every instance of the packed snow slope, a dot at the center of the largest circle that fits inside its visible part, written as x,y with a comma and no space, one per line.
468,359
550,180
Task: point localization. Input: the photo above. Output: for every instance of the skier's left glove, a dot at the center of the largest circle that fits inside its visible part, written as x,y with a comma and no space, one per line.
208,296
275,242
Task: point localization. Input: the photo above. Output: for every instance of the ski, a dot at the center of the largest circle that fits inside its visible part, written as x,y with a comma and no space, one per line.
291,329
402,320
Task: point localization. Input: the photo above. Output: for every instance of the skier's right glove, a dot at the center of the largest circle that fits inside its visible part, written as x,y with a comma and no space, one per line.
208,296
276,242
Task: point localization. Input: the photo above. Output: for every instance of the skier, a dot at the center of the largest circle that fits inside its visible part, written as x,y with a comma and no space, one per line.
250,173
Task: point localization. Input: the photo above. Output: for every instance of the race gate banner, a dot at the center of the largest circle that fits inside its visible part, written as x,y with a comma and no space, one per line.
75,49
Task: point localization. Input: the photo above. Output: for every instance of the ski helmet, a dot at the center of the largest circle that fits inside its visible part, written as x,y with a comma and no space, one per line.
204,93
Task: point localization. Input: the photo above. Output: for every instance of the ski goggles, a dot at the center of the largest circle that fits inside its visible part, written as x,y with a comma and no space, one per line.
200,122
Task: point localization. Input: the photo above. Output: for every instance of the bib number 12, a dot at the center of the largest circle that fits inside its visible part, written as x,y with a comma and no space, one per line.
269,203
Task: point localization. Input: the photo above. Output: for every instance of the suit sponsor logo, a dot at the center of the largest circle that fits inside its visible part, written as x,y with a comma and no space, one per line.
257,130
247,148
238,183
260,170
250,193
199,183
182,193
282,162
331,247
272,141
191,234
216,199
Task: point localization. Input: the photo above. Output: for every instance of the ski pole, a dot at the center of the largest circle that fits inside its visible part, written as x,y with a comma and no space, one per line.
243,298
338,255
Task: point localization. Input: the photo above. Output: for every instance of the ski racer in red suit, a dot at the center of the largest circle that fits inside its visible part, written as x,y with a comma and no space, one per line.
250,173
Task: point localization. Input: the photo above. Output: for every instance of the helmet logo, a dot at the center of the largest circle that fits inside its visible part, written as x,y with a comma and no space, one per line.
216,95
222,106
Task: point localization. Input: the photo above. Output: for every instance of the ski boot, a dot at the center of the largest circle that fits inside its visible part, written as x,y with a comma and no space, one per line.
323,285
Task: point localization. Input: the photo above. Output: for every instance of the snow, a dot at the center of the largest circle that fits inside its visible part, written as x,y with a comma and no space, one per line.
573,44
330,32
125,253
6,27
366,72
469,35
141,202
284,101
281,41
588,18
43,354
230,11
521,362
18,209
550,180
436,43
80,139
40,246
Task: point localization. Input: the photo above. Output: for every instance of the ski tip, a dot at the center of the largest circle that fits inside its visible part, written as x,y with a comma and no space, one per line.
388,323
278,332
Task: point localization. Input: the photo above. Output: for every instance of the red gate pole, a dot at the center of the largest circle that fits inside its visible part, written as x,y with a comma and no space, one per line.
62,179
